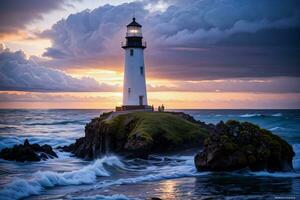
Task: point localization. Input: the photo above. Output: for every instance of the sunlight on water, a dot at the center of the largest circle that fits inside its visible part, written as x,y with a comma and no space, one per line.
168,189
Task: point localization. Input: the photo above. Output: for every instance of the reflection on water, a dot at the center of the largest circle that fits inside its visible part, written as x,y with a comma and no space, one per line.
167,189
245,185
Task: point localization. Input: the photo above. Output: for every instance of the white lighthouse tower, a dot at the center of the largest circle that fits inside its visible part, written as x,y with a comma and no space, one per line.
134,86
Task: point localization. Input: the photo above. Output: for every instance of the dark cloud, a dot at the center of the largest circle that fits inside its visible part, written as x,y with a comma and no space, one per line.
19,73
191,40
15,14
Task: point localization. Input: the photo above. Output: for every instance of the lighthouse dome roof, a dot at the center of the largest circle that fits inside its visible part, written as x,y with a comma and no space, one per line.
134,23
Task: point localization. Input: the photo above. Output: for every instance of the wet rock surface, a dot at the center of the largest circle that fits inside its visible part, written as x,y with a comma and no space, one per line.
234,145
28,152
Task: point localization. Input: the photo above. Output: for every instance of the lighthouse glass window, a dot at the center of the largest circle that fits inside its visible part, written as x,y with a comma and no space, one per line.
142,70
134,31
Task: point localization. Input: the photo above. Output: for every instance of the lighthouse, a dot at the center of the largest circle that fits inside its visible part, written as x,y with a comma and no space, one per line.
134,85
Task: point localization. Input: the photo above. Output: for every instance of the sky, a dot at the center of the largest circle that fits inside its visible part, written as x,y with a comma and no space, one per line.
222,54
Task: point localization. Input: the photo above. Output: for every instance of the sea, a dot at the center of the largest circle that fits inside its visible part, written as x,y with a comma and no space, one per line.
112,177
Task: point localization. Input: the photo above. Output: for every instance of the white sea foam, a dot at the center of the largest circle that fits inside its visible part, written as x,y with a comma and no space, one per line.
250,115
20,188
103,197
277,174
277,115
247,115
276,128
186,169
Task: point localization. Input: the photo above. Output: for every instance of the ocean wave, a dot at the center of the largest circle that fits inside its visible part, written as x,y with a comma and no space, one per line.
277,115
252,115
103,197
20,188
7,127
276,128
157,173
276,174
296,160
10,141
64,122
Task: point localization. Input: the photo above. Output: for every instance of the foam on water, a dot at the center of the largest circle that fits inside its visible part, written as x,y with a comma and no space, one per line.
277,128
250,115
277,115
57,122
157,173
20,188
247,115
103,197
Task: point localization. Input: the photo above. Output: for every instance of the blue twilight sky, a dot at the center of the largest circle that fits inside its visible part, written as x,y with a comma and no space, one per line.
238,48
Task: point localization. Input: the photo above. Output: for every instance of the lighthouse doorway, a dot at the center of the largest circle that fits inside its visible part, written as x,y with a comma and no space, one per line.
141,100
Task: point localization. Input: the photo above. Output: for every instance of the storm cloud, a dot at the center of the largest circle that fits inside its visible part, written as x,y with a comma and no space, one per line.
21,74
15,15
190,40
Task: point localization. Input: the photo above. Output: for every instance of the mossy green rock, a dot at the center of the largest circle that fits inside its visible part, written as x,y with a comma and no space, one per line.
139,134
234,145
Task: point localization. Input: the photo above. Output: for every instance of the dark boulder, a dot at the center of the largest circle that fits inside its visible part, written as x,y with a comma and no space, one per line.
28,152
234,145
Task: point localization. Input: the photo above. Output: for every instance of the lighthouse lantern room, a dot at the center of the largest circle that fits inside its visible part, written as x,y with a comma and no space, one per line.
134,85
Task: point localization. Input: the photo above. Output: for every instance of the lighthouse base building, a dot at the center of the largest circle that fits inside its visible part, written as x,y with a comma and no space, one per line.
134,85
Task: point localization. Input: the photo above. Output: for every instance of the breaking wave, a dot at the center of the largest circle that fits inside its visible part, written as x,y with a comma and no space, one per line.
63,122
276,128
247,115
20,188
277,115
157,173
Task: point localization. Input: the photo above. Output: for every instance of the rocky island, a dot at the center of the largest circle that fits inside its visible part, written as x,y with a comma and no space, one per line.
138,134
